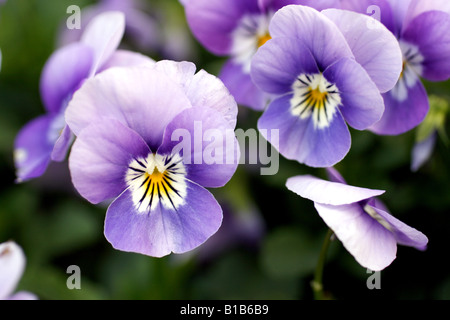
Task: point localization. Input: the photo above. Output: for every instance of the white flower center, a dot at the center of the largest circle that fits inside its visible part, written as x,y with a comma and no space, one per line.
157,179
251,33
315,97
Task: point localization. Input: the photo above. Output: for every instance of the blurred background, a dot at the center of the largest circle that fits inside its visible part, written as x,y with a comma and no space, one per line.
269,243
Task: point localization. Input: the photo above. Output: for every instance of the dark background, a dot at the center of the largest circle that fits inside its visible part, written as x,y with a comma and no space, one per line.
273,258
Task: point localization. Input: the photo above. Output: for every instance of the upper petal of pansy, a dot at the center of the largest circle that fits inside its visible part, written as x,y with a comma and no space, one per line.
327,192
100,158
125,58
300,139
404,234
429,32
406,106
62,144
103,34
63,73
213,21
12,265
210,149
314,30
362,103
142,98
372,245
417,7
278,63
372,44
162,231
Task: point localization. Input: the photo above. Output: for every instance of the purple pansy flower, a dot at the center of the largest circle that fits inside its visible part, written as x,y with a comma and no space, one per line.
421,27
236,29
47,138
358,219
322,81
12,265
129,123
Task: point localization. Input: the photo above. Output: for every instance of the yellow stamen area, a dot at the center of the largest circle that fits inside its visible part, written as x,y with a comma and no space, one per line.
263,39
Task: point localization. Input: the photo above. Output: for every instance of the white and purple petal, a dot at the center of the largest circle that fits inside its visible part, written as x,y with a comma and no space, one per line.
12,266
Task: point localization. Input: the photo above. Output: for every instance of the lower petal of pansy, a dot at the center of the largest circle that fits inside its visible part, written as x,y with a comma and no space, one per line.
406,106
309,134
370,243
163,230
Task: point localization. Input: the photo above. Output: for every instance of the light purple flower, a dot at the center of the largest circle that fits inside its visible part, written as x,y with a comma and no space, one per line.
12,265
323,81
47,138
421,28
358,219
236,29
129,123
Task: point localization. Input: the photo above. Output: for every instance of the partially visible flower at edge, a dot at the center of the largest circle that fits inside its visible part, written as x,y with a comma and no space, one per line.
12,265
359,220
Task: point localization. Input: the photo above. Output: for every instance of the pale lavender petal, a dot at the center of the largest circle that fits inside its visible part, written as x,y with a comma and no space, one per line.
375,48
103,34
33,148
327,192
23,295
405,108
429,32
422,151
417,7
314,30
278,63
404,234
242,87
362,103
163,231
300,140
142,98
100,158
12,265
125,58
63,73
335,176
209,146
372,245
62,145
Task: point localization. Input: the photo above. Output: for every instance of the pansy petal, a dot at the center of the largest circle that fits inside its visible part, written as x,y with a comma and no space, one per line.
63,73
278,63
417,7
100,158
242,87
429,32
372,245
404,234
422,151
12,265
125,58
103,34
405,108
210,149
375,48
162,231
213,21
23,295
33,148
142,98
300,140
62,145
327,192
314,30
362,103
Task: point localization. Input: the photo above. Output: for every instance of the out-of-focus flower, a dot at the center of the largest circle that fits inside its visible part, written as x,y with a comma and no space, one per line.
358,219
47,138
428,132
421,28
128,123
12,265
322,81
236,29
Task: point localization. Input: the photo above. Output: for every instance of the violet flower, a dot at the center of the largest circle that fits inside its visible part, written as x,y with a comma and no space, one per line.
128,123
421,28
236,29
47,138
358,219
320,83
12,265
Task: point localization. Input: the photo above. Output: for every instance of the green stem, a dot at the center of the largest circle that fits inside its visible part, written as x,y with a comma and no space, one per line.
317,284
